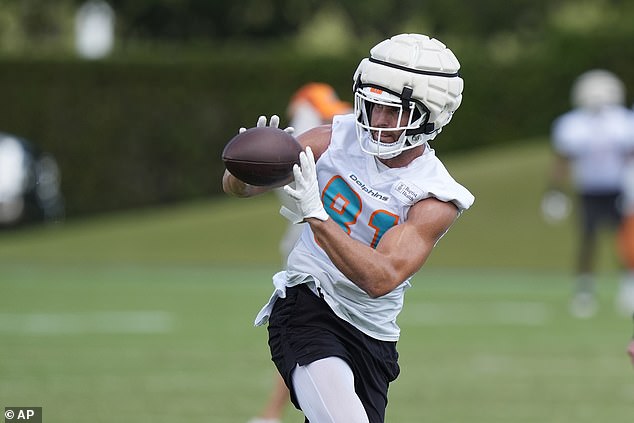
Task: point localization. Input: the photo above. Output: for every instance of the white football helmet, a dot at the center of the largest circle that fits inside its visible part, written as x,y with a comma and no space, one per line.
414,73
597,88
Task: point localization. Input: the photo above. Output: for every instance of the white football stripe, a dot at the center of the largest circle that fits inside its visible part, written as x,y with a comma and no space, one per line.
86,322
515,313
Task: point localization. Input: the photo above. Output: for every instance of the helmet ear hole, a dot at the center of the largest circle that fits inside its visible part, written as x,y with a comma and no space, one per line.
416,114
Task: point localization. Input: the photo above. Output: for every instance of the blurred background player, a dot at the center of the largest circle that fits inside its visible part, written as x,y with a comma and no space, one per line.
593,144
29,184
313,104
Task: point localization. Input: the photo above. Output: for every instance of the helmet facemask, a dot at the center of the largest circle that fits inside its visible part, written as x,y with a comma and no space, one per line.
412,129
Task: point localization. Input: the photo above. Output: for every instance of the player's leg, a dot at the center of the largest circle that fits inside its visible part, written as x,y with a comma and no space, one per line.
369,365
583,303
625,296
325,392
274,408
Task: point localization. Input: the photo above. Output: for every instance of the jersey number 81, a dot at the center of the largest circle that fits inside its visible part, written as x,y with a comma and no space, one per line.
344,206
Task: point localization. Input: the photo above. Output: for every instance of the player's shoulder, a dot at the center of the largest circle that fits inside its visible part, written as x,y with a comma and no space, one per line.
571,126
336,136
570,118
623,113
318,138
430,204
433,214
429,178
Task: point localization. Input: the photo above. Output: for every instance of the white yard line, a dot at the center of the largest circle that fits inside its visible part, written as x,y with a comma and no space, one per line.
122,322
512,313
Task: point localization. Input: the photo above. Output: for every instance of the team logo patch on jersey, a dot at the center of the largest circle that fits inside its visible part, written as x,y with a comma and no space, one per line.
407,193
376,194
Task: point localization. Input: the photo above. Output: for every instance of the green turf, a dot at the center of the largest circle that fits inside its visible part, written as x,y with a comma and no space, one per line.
147,316
504,228
497,346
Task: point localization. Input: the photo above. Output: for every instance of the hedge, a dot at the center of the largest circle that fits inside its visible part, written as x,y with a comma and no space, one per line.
130,134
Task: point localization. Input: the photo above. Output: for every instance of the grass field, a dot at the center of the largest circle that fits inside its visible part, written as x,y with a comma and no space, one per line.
146,316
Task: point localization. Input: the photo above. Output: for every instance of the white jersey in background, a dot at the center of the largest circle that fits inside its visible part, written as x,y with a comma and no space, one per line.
365,203
597,143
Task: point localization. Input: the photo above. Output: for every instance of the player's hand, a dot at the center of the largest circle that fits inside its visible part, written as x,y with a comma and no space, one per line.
555,206
306,191
630,351
274,123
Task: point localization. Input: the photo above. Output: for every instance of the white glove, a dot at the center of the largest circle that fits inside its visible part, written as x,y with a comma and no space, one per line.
274,123
555,206
306,191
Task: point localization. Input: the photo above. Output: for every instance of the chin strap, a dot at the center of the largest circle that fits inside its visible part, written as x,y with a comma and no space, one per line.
406,96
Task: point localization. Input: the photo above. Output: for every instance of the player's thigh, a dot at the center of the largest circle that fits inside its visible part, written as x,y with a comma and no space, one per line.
325,392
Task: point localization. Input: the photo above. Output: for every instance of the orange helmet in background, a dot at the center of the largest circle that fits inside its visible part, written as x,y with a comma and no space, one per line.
323,99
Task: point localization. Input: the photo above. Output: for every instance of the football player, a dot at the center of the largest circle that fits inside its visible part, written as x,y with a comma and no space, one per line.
594,143
376,200
29,184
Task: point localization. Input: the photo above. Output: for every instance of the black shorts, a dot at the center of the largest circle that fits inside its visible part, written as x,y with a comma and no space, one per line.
302,329
599,210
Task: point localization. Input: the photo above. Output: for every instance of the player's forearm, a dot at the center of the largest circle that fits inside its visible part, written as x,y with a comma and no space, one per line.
366,267
559,173
233,186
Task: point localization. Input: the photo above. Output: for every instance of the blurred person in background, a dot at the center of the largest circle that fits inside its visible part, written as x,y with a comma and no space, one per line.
593,144
29,184
313,104
376,200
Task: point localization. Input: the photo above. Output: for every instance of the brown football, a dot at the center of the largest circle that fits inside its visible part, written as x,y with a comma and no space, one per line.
261,155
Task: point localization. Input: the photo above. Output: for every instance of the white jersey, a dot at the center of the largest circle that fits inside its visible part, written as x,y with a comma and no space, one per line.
366,199
597,144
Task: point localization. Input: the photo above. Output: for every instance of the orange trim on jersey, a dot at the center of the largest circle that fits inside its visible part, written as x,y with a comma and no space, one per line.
341,211
375,239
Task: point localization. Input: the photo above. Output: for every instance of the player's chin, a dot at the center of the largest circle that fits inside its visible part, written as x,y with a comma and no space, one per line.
387,139
384,138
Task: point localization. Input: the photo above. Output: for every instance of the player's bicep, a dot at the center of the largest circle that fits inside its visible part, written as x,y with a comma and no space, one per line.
433,218
409,244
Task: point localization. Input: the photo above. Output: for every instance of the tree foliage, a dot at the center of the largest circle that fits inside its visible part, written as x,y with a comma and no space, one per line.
25,24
